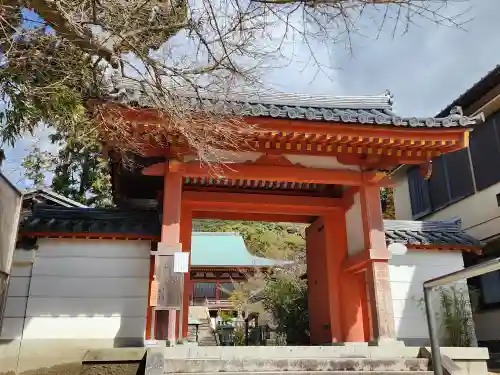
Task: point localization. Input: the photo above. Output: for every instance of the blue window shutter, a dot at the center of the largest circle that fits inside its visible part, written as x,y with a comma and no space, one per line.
459,173
438,184
485,153
419,193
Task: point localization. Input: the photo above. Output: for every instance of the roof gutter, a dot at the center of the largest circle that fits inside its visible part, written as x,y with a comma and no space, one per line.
484,107
398,168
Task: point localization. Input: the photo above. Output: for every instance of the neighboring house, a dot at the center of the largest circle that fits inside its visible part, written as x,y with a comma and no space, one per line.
466,184
46,197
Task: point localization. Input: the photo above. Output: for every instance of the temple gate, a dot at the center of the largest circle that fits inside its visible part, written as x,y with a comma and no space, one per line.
314,160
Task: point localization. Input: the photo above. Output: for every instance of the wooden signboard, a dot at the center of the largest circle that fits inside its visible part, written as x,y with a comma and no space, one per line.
169,296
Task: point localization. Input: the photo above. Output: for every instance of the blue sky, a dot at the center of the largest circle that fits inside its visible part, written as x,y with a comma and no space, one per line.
425,68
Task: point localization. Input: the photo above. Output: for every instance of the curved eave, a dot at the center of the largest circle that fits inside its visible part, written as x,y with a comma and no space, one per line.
438,247
398,144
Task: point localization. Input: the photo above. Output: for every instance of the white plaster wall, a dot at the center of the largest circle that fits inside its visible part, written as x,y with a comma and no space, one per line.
323,162
354,227
81,289
310,161
17,295
407,274
480,213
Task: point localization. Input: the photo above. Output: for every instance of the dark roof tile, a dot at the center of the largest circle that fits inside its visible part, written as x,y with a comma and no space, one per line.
476,91
362,110
147,223
444,233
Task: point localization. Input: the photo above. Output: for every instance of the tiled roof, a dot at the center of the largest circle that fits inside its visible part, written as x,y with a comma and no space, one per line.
146,223
52,196
476,91
207,249
50,219
444,233
375,110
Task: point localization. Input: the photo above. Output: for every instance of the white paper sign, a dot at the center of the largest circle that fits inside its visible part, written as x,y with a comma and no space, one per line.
181,262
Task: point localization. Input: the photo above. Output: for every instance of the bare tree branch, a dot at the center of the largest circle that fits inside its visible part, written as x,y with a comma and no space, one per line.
165,47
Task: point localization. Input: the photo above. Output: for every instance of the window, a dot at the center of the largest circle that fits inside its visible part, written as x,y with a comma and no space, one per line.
490,289
439,189
451,180
459,174
452,175
204,291
226,289
419,193
485,152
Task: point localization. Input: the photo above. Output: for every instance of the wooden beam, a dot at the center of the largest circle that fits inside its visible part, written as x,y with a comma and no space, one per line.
249,203
271,173
359,261
245,216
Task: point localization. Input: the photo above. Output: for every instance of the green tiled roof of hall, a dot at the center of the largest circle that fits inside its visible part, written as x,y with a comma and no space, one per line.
66,221
225,249
364,110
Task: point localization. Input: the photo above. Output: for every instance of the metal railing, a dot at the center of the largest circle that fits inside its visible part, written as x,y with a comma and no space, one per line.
467,273
218,302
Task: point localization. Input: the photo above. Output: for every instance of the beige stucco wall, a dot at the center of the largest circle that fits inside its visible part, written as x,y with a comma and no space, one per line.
480,213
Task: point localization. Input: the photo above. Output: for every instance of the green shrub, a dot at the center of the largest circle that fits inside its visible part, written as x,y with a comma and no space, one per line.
285,296
456,317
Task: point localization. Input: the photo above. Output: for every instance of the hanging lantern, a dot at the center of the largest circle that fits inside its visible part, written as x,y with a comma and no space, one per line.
426,170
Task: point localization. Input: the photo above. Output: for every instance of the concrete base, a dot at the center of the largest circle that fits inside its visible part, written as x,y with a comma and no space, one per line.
387,342
370,372
77,357
62,356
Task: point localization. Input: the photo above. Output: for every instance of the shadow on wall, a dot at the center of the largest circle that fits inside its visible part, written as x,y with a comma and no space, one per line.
407,275
92,290
113,322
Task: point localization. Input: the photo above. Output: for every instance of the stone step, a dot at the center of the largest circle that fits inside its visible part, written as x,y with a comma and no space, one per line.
348,350
320,373
294,365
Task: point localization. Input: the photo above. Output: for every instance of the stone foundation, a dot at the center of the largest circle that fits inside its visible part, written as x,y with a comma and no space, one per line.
96,357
